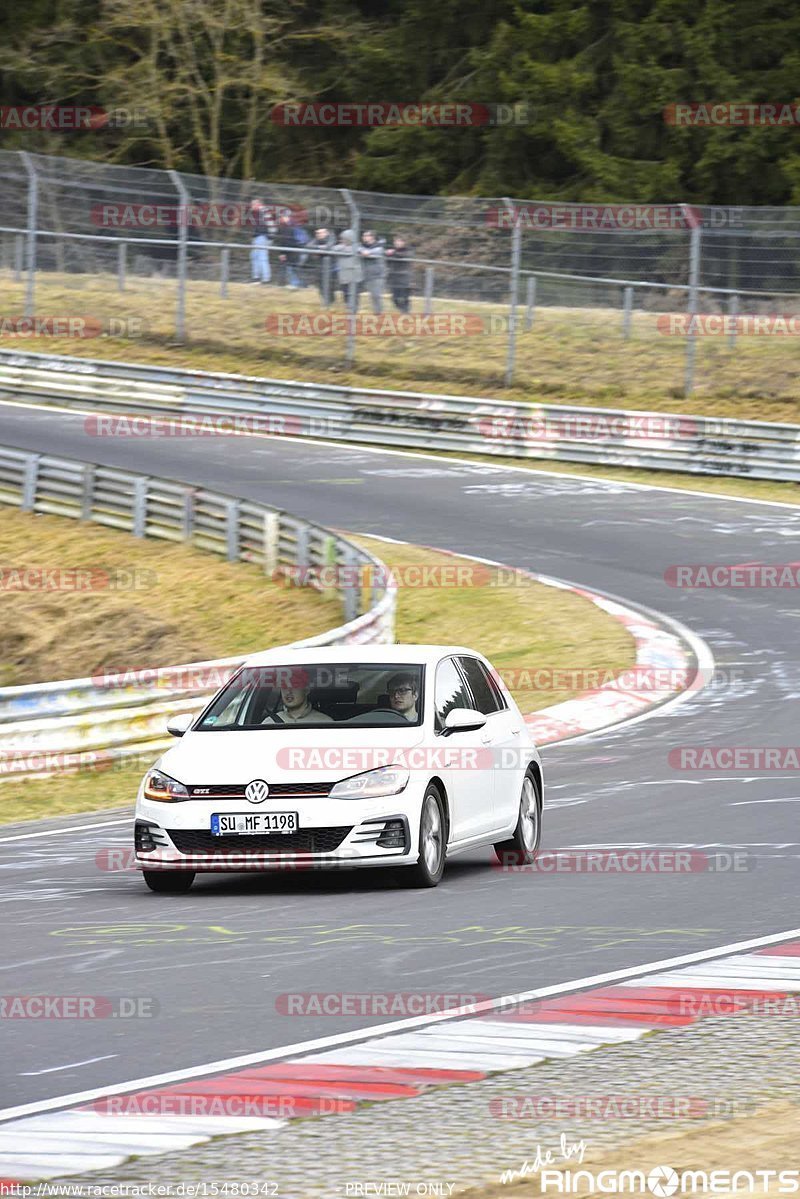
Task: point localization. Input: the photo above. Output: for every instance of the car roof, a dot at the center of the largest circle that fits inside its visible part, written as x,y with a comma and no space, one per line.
400,653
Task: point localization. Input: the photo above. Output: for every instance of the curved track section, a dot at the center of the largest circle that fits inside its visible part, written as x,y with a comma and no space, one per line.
217,960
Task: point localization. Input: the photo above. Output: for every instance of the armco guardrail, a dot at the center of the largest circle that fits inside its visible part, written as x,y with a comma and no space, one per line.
50,726
613,437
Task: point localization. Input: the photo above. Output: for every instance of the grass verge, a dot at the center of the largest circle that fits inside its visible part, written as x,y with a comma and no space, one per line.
522,626
571,355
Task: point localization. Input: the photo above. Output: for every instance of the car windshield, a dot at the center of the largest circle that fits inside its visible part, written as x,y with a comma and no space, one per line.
318,695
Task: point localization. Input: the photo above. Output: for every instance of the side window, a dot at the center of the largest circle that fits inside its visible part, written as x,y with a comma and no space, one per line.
480,685
450,691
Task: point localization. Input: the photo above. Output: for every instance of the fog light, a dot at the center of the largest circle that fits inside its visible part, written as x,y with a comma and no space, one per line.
143,839
393,835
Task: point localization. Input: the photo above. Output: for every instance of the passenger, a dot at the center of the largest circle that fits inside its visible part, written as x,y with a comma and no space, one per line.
403,692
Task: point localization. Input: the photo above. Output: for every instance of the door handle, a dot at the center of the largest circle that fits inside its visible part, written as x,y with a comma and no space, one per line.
515,732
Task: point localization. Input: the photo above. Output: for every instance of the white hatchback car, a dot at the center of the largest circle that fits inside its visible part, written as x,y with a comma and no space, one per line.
388,755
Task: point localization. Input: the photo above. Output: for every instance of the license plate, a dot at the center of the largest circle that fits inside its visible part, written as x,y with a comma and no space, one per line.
242,823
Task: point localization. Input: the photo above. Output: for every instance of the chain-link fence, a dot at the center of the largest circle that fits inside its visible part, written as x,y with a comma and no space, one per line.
558,299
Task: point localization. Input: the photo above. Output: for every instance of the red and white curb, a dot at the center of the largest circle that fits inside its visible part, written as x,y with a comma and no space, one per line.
438,1051
666,651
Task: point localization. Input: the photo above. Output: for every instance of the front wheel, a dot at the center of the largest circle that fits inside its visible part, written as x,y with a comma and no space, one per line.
429,869
169,882
522,847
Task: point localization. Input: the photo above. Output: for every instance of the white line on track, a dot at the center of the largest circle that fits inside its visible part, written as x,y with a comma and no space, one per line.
502,466
73,828
69,1066
347,1038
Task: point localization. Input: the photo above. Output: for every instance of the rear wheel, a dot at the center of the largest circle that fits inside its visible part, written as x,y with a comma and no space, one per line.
522,847
429,869
169,882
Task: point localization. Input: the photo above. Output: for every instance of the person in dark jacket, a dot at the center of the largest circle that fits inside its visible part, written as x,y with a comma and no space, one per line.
323,265
288,240
374,268
398,257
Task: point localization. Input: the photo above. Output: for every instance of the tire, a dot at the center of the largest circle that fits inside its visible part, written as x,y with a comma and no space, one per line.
169,882
428,871
523,846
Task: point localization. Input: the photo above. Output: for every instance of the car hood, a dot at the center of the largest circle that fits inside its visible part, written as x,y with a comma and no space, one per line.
313,755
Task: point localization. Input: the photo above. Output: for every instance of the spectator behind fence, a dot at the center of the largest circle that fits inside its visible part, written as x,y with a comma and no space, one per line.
291,237
374,266
398,258
259,255
323,266
348,266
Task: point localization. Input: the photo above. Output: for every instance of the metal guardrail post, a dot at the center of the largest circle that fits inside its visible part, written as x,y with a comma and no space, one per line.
232,530
733,312
302,550
530,302
87,493
695,225
140,486
19,257
30,482
351,589
271,542
627,312
516,254
187,519
427,307
33,218
352,298
224,272
326,280
183,235
122,263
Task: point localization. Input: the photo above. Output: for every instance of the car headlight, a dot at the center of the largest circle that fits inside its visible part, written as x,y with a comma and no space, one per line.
386,780
158,785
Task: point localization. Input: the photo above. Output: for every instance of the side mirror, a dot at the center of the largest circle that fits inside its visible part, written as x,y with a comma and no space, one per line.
463,720
178,725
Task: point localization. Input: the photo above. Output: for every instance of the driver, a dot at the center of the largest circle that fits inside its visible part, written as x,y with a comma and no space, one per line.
403,692
295,707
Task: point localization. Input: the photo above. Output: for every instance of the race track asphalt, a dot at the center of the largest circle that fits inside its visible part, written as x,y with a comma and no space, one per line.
216,961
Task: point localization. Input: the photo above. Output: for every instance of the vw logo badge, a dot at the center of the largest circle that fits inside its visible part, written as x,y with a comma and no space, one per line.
257,791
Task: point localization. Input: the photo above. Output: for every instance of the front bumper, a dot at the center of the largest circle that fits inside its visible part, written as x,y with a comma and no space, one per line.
332,833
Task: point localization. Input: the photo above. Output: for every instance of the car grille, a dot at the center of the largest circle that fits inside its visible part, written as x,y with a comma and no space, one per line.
276,790
305,840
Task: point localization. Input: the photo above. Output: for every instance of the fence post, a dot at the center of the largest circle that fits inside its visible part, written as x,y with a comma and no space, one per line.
140,484
530,301
122,264
30,482
352,298
427,308
516,254
627,312
183,234
694,221
224,272
19,257
271,542
351,591
232,530
33,217
326,280
187,523
733,311
87,491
